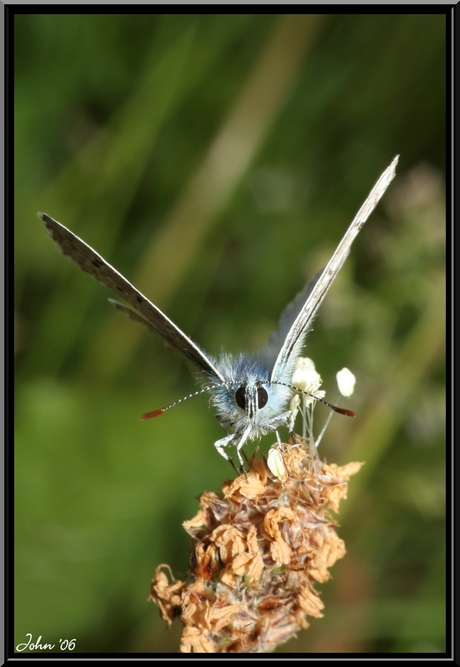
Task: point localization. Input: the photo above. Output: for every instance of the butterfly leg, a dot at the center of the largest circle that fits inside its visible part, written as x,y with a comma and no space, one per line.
290,424
232,439
286,419
238,447
220,446
222,443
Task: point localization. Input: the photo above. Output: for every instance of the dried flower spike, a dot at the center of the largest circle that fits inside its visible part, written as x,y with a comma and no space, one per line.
259,548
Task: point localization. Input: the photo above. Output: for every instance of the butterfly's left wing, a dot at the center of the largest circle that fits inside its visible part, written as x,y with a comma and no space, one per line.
295,338
91,262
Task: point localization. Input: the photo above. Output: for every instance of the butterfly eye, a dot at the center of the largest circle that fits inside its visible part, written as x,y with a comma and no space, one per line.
240,397
262,397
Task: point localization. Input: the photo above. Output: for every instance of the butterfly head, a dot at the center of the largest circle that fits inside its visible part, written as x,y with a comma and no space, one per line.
247,401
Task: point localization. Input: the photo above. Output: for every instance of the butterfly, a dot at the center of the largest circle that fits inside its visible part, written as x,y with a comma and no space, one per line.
250,393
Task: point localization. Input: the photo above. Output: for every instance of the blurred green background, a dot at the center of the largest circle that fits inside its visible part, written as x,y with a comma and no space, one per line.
216,161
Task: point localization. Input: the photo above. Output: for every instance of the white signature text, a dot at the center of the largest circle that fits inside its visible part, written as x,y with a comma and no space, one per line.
64,644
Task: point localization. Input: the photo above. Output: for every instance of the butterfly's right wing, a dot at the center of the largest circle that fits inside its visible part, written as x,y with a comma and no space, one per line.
90,261
295,338
269,353
298,319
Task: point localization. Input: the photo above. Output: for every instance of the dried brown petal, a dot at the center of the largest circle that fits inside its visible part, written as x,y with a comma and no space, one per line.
248,486
166,595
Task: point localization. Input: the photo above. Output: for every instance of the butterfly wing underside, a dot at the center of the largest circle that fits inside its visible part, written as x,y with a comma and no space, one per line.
293,343
144,310
270,351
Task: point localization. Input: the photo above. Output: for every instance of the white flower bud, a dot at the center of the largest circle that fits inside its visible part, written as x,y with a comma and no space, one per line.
305,376
276,463
294,405
346,382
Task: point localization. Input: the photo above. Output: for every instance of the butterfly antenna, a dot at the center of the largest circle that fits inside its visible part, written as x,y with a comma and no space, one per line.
156,413
341,411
